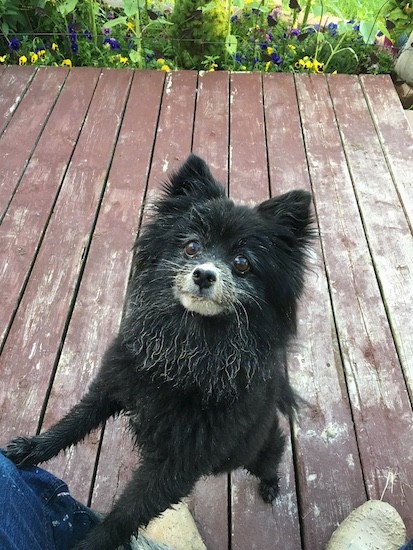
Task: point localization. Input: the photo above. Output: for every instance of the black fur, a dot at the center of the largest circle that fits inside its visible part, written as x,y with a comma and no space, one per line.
201,386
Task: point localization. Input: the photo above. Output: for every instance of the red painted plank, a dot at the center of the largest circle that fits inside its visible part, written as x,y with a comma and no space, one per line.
13,84
209,501
212,123
19,139
99,302
248,160
386,422
395,133
335,486
27,216
172,144
254,523
35,337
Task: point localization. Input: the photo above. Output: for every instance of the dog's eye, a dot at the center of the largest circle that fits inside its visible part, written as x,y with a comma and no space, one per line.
241,264
192,248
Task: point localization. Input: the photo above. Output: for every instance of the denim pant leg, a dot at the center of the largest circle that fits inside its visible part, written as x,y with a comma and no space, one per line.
37,511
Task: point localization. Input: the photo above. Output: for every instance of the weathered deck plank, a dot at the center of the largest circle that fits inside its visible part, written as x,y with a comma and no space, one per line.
27,216
33,341
73,194
329,487
13,84
380,389
19,139
209,500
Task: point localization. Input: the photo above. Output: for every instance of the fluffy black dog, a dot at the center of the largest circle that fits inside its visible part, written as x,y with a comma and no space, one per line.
198,364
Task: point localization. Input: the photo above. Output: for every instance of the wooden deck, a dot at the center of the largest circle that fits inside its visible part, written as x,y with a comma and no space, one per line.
82,151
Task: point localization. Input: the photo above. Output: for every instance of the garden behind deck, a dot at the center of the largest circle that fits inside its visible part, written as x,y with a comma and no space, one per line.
83,151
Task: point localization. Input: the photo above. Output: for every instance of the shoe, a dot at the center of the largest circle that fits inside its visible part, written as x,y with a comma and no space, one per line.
375,525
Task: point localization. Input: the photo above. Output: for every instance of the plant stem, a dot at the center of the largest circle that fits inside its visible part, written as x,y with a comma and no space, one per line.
93,29
306,13
138,34
318,31
333,53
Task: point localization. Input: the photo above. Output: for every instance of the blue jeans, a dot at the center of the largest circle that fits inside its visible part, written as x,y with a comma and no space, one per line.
37,512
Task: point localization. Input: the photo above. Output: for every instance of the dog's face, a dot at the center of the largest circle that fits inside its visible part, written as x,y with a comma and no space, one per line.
213,257
215,262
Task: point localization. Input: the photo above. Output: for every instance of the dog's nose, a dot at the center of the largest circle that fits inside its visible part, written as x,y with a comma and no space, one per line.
204,277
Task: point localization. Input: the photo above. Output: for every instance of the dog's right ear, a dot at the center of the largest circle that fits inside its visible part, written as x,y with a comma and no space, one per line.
193,179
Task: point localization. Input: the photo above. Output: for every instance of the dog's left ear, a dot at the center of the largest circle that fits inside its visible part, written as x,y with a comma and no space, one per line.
291,210
194,179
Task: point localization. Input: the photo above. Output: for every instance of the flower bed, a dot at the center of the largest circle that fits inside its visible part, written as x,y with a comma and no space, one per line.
243,35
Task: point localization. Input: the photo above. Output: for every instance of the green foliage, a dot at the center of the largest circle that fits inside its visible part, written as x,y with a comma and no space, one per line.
199,29
399,15
235,35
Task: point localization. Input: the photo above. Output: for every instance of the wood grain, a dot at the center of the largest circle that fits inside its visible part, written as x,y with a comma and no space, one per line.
27,217
14,82
385,425
209,500
20,137
35,338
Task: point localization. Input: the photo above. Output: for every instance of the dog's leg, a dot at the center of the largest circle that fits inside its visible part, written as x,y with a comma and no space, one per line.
153,488
95,407
86,416
265,466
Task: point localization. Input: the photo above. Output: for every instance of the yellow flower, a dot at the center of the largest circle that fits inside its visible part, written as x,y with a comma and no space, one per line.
267,65
292,48
161,61
3,58
165,68
130,25
270,50
334,72
123,60
318,67
66,63
55,47
41,54
33,57
22,60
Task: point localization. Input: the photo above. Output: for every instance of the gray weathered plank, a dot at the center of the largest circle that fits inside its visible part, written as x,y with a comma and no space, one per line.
14,82
19,139
27,216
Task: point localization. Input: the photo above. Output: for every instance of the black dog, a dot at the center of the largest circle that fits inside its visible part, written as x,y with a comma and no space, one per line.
198,364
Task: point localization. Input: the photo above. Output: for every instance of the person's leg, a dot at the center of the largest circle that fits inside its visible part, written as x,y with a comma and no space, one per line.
38,511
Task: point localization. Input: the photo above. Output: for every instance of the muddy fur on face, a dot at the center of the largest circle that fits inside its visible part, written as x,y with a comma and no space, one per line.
198,363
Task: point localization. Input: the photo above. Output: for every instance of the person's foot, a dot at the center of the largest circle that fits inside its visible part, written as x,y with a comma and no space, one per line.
375,525
176,529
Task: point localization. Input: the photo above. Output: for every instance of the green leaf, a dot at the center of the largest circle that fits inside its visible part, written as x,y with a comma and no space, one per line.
231,44
66,7
133,54
368,30
5,29
114,22
130,7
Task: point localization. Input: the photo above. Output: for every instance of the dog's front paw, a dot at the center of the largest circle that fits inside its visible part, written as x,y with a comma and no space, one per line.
23,452
269,489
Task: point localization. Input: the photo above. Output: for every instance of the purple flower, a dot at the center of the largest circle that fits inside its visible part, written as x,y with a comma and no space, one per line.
74,47
234,18
14,44
106,31
87,34
332,29
276,59
113,43
295,32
